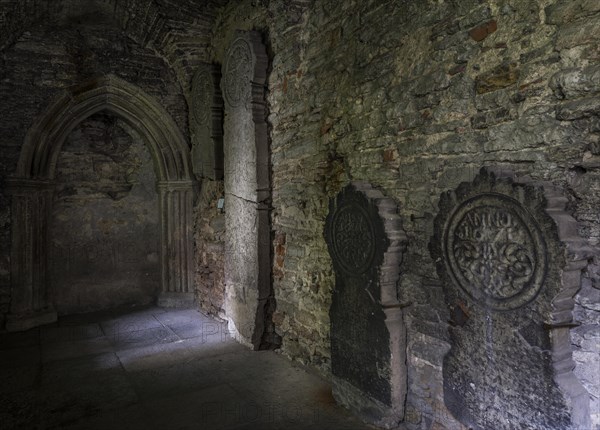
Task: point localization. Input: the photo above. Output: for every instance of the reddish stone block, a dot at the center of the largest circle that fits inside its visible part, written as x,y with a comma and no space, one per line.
484,30
389,155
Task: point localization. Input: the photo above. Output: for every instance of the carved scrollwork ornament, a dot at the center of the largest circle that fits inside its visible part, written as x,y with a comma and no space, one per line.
490,245
352,228
494,251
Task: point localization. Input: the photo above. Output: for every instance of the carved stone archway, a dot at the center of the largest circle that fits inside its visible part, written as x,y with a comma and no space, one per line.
32,190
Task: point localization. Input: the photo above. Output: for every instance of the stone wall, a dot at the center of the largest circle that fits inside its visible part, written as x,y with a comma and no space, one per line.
415,97
104,228
209,252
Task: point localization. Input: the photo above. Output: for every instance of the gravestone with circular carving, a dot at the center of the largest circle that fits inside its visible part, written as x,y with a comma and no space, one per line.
499,252
366,242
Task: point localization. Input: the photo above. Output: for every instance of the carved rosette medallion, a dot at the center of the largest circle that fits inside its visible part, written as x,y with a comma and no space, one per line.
353,242
494,251
238,73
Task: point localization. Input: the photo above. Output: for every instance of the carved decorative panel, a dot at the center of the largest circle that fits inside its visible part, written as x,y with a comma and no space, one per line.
206,121
366,242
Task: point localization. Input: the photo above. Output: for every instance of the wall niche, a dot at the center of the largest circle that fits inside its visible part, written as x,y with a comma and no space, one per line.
104,227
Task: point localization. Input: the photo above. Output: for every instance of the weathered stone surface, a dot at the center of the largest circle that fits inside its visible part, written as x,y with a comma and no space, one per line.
366,241
576,82
563,12
209,237
579,33
500,77
342,106
578,109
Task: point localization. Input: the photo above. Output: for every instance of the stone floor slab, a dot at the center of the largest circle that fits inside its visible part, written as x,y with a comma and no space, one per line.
76,348
154,356
18,378
18,357
20,339
130,418
142,338
65,333
128,323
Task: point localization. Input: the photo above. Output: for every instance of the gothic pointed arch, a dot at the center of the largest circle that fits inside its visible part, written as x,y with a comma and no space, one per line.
32,192
141,111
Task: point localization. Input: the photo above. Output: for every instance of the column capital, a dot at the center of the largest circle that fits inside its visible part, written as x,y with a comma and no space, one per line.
17,185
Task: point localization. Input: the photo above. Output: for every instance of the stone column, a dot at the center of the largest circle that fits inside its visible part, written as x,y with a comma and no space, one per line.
30,295
177,264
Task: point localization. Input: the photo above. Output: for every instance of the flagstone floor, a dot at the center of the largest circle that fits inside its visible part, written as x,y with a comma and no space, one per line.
152,368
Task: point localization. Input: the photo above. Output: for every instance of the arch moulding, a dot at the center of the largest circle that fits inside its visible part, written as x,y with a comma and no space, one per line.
32,189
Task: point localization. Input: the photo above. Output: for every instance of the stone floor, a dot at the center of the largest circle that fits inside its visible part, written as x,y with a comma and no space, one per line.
150,368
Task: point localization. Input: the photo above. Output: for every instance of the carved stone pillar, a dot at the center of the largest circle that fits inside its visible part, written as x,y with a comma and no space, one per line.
177,263
368,337
30,296
247,189
206,123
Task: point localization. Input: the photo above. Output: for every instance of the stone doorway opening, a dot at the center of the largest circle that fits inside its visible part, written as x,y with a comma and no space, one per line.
104,227
35,184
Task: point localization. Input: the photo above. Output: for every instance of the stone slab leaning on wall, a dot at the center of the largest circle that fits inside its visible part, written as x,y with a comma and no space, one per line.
511,262
368,338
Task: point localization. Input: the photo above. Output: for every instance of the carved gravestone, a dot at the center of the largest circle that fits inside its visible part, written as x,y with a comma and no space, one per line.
247,188
366,242
500,248
206,119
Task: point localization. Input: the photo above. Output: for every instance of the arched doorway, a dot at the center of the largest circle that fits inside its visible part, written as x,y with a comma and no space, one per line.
104,228
33,186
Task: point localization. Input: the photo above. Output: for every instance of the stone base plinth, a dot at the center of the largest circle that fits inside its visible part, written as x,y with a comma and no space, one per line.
370,410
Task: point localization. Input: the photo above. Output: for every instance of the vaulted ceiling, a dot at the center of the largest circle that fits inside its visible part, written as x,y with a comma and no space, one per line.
178,30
